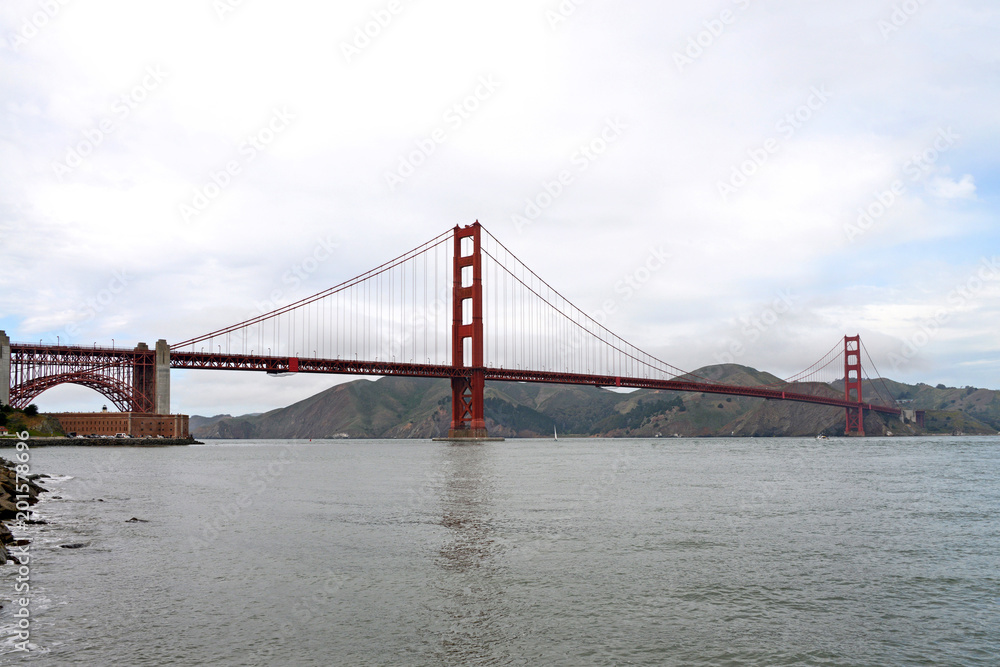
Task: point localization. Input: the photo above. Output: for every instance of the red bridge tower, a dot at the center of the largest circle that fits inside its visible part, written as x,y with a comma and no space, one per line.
852,385
468,421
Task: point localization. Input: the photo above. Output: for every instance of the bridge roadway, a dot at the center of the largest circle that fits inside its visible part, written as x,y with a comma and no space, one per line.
243,362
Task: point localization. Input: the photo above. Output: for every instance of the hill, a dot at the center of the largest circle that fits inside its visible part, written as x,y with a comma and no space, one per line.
30,420
971,409
399,407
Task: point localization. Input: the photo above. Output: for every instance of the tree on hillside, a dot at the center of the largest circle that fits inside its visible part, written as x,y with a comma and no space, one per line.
31,410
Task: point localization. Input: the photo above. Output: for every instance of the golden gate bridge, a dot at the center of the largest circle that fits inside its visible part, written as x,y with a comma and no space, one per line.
461,306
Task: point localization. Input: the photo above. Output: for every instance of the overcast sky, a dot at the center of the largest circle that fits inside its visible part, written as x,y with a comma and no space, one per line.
810,169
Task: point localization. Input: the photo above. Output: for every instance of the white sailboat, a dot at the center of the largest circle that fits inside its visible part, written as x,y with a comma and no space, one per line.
555,436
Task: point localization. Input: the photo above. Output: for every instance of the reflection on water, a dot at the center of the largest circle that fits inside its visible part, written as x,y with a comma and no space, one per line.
473,595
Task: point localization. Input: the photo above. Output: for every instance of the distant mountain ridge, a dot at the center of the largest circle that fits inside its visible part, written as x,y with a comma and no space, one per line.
401,407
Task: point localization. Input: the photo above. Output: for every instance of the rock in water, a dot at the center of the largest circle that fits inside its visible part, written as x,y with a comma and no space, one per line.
14,489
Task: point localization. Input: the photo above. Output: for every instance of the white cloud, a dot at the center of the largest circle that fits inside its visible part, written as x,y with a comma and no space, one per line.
948,188
889,100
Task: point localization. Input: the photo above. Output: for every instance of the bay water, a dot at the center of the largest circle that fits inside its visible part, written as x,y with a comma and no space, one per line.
846,551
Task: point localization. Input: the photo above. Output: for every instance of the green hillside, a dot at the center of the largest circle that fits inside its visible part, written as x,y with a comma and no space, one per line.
397,407
980,407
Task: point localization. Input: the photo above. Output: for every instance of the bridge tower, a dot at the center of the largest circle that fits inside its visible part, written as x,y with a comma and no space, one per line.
151,379
4,368
143,379
161,379
468,421
852,385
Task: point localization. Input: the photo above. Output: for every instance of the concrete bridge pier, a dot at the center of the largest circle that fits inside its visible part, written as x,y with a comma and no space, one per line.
162,378
4,368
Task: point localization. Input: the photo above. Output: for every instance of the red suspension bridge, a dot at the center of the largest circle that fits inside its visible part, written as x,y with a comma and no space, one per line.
461,306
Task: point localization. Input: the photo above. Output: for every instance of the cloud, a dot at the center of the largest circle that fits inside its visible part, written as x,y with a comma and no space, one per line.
911,109
948,188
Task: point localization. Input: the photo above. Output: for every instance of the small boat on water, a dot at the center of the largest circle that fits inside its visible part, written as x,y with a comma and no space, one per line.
555,436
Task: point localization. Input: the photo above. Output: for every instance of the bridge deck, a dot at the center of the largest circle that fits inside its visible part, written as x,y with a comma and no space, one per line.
241,362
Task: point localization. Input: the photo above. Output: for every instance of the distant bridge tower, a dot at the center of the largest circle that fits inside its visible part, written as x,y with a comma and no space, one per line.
852,385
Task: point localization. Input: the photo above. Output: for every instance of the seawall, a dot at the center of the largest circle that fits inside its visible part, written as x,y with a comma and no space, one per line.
102,442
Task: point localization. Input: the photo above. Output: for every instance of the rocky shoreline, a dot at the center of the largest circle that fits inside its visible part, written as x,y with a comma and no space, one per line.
12,490
106,442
